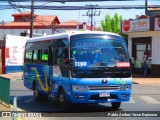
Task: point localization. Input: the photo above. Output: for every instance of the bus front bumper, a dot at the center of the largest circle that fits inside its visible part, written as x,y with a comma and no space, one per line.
99,96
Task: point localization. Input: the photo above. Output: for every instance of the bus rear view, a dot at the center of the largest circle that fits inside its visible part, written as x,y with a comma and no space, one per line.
100,69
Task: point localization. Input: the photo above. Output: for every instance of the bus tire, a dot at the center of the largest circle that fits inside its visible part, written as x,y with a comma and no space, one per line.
115,105
62,100
37,95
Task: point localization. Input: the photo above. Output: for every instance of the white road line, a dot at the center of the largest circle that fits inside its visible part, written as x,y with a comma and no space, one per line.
149,99
131,100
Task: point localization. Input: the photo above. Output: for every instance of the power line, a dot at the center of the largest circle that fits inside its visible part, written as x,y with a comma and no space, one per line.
20,5
31,17
72,0
81,7
87,7
37,20
29,20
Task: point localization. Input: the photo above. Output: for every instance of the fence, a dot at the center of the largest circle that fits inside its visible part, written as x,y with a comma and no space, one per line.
5,90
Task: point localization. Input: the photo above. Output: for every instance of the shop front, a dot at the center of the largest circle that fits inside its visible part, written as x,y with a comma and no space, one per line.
144,44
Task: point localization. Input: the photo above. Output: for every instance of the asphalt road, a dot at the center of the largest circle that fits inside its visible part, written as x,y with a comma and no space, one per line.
144,98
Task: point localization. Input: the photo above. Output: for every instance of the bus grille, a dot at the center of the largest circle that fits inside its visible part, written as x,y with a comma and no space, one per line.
114,87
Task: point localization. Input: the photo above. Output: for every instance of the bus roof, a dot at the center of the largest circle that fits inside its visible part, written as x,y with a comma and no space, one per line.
67,35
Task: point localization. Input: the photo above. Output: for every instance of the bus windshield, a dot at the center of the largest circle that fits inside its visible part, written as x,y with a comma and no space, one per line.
98,52
96,57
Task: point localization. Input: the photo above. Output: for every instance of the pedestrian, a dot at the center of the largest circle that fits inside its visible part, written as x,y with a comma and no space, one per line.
144,58
145,68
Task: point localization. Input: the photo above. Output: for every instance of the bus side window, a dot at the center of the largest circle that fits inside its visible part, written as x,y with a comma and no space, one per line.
37,56
28,56
44,56
58,53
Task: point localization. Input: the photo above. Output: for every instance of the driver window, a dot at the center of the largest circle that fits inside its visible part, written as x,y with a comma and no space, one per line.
61,56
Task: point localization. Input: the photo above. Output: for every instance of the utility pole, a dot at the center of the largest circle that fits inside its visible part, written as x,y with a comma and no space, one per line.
146,7
32,18
53,28
90,13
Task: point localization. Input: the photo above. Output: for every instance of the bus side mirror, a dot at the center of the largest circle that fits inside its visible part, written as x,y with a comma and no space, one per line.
71,62
71,67
130,60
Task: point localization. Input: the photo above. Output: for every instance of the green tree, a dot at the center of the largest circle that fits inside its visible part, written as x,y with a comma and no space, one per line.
112,24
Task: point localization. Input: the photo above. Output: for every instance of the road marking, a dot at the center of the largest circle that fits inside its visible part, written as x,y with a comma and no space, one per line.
131,100
150,100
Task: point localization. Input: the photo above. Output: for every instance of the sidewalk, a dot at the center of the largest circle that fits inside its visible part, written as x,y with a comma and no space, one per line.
4,107
146,80
12,76
7,108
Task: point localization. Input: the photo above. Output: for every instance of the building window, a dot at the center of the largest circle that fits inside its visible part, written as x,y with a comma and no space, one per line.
23,19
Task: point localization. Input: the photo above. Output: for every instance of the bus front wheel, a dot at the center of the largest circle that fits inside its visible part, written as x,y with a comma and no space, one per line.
115,105
36,93
62,99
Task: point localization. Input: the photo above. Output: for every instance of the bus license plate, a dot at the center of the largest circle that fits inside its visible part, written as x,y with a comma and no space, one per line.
104,94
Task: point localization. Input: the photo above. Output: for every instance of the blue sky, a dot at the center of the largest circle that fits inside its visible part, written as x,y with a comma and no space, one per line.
6,15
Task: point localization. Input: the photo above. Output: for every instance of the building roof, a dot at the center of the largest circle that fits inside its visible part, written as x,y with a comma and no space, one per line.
143,16
23,14
14,24
39,21
89,28
72,23
47,19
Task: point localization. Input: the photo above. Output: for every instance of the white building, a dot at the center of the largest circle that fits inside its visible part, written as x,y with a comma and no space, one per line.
144,37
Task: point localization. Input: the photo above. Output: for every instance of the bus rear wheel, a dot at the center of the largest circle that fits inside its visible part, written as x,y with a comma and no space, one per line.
62,100
115,105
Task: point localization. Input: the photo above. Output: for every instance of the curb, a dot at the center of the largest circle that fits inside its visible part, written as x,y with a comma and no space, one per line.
18,118
16,78
11,107
14,108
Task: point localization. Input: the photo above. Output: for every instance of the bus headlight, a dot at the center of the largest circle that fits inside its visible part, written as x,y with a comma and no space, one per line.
125,87
76,88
